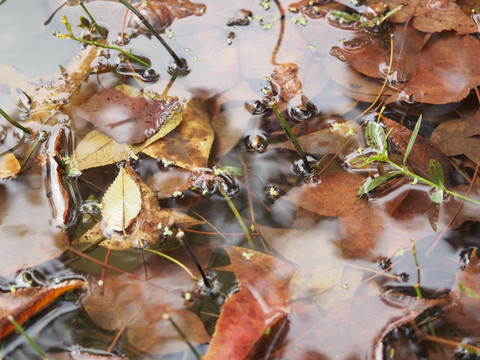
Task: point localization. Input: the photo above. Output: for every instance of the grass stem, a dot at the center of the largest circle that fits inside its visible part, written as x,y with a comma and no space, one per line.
26,336
174,261
182,335
15,123
99,29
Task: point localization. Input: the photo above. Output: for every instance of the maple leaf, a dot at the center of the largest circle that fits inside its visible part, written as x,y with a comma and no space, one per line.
24,303
140,306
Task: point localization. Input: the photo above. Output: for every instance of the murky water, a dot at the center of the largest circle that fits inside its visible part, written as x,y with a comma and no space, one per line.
230,72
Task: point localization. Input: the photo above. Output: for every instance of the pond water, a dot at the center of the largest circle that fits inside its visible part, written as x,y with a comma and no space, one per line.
229,181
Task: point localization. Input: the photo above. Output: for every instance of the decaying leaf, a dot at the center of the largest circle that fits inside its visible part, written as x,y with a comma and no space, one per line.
448,70
9,166
145,229
449,137
121,202
126,114
24,303
260,303
422,152
123,297
97,149
189,145
161,14
286,76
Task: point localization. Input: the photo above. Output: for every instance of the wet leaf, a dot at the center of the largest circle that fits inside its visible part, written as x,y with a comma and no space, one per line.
464,313
140,306
286,77
126,114
189,145
146,228
412,140
435,171
24,303
260,303
9,166
162,14
371,184
437,196
448,71
422,151
121,202
97,149
448,136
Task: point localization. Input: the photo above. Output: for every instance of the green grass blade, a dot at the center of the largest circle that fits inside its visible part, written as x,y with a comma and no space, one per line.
370,185
412,140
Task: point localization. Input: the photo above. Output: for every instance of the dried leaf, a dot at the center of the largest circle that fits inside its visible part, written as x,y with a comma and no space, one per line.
260,303
121,202
448,136
127,115
146,228
9,166
97,149
286,77
189,145
24,303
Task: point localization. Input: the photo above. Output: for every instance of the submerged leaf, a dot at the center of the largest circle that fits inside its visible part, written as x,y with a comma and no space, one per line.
9,166
121,202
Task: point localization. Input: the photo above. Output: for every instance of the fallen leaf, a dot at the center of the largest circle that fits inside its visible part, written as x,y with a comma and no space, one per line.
448,136
260,303
24,303
161,14
122,297
286,77
448,71
189,145
167,182
422,152
472,125
464,314
97,149
126,114
121,202
9,166
146,228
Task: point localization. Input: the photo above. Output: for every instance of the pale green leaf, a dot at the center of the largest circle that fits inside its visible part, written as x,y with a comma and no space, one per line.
372,184
437,196
412,140
435,171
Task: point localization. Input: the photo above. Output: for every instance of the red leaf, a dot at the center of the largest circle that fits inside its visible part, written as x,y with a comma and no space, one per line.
260,303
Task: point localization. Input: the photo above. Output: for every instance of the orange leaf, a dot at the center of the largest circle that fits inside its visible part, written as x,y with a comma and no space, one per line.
9,166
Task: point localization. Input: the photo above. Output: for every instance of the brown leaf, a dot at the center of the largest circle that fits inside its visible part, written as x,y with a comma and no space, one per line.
448,70
260,303
286,77
168,181
24,303
422,151
465,295
472,125
125,114
9,166
189,145
161,14
146,228
448,136
122,297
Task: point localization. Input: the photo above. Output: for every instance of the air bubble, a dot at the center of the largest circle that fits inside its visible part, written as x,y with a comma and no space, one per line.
303,112
303,170
257,107
256,142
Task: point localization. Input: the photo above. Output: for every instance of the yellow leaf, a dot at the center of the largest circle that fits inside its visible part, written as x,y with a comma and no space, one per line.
97,149
9,166
121,202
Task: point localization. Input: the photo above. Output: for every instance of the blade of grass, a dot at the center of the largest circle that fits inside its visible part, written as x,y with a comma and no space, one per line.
412,140
26,336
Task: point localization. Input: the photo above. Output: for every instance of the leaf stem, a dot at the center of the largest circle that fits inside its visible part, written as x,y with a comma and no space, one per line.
15,123
180,64
182,335
99,29
174,261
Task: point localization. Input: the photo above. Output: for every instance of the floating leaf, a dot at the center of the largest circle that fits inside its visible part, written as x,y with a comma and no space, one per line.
412,140
121,202
435,171
126,114
97,149
9,166
24,303
189,145
437,196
